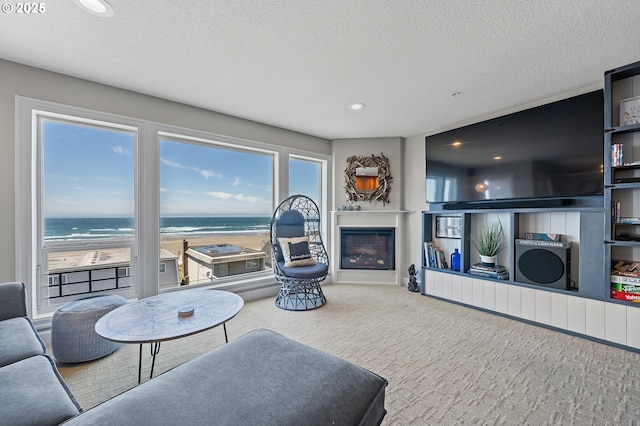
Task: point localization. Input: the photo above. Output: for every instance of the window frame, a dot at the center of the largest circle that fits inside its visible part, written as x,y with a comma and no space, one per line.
146,257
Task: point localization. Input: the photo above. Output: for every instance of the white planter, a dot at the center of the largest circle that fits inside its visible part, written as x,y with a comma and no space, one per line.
488,260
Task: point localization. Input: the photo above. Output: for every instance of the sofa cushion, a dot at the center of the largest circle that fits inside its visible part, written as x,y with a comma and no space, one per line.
35,394
19,340
261,378
13,300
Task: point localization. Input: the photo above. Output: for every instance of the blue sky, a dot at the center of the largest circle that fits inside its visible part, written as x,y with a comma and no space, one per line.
89,172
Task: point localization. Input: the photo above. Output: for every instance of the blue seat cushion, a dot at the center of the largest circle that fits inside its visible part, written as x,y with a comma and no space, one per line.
319,270
19,340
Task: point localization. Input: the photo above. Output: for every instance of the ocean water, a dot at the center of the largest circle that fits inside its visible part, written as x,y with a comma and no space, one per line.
77,229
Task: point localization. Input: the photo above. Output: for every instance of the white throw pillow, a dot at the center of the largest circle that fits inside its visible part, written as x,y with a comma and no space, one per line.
296,251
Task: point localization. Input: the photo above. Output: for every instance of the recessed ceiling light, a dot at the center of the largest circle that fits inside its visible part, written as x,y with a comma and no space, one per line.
357,106
497,157
97,7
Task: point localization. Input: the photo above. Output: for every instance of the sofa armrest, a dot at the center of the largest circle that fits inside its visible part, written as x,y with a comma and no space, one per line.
13,300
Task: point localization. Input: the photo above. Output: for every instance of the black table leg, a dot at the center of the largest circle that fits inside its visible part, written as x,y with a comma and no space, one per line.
224,325
140,364
155,349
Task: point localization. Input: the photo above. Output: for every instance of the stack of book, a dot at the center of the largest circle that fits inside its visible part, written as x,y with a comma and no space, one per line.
634,220
625,280
498,272
542,236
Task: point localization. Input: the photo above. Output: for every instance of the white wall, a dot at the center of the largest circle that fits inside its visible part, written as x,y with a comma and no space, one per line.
35,83
391,148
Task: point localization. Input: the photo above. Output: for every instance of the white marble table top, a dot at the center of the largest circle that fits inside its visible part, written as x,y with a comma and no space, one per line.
156,319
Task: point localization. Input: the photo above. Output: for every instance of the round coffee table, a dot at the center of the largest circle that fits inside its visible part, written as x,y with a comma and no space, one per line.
166,317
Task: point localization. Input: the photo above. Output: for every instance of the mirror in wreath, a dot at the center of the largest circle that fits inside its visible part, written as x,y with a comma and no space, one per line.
368,178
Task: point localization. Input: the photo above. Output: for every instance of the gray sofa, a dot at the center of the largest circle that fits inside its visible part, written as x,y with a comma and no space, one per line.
260,378
31,389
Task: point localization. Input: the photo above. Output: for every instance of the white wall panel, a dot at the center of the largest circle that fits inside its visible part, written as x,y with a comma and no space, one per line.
489,297
515,300
430,285
467,290
576,314
528,304
456,287
446,286
633,327
595,318
439,285
543,307
502,298
615,323
478,292
559,310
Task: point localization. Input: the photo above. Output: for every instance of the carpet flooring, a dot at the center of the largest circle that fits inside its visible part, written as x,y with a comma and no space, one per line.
446,364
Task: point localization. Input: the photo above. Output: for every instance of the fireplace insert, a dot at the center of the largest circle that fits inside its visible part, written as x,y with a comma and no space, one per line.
367,248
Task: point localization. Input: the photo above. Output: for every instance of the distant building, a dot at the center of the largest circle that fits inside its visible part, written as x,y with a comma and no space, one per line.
211,262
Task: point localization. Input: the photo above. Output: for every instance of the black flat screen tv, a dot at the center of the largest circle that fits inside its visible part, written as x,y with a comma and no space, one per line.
548,154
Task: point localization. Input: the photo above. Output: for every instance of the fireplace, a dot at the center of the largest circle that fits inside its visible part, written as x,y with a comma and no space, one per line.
367,248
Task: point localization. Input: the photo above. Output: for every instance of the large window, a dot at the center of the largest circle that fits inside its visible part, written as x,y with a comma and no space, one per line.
111,204
86,233
215,209
305,178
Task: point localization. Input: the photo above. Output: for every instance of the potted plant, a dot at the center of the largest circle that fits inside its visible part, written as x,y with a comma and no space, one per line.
489,242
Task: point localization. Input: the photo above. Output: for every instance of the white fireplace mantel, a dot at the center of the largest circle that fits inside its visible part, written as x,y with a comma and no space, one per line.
367,219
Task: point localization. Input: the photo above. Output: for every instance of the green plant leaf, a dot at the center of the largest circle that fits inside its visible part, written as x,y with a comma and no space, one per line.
489,240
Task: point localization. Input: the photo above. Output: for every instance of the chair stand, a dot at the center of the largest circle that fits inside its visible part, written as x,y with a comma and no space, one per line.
302,295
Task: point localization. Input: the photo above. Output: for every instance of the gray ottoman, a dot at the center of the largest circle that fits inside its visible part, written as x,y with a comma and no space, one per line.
73,335
261,379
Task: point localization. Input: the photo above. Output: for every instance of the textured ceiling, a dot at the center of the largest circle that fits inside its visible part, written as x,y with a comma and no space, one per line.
298,64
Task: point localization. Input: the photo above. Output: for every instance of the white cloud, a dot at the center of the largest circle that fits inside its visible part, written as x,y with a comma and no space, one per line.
121,151
205,173
208,173
237,181
104,179
163,189
67,177
172,163
250,199
221,195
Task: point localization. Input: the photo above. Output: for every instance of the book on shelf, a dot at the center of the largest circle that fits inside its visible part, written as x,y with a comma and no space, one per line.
428,253
442,264
615,211
629,220
559,244
617,155
621,295
624,279
542,236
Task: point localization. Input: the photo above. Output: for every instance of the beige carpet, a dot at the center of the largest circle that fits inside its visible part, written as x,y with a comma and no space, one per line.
446,364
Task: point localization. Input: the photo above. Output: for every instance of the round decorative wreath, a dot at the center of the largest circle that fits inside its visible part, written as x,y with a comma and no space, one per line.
384,178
